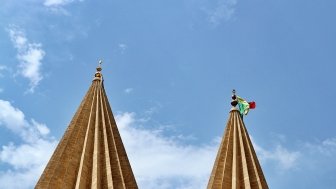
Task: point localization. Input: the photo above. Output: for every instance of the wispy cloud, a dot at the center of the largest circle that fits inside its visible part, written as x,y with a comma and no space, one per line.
30,56
173,164
286,159
58,6
281,156
56,3
25,160
223,11
326,147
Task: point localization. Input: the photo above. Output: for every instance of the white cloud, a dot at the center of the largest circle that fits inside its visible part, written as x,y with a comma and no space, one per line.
57,6
330,143
284,158
26,155
326,147
11,117
30,56
222,12
158,161
308,157
128,90
50,3
42,128
26,160
164,162
14,119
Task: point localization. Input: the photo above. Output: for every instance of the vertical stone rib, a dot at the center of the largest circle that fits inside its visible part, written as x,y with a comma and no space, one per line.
222,173
126,173
236,157
246,177
73,167
118,180
222,159
235,168
228,151
228,157
107,159
84,170
96,150
91,153
259,179
46,179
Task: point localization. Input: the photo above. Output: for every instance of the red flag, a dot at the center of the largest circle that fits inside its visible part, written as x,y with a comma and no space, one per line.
252,105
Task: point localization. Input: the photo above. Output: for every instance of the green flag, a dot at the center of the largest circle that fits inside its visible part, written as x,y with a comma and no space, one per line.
244,106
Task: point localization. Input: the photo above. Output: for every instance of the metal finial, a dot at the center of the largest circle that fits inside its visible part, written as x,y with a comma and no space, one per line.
99,68
234,97
234,101
98,75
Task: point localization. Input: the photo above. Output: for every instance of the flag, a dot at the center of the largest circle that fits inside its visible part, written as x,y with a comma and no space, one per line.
252,105
245,106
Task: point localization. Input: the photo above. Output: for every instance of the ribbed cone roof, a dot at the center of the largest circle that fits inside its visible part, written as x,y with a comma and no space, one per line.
236,165
91,153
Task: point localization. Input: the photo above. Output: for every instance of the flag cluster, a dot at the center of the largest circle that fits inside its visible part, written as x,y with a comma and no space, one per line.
245,106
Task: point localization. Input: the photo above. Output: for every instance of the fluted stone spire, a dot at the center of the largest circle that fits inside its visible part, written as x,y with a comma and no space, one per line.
91,153
236,165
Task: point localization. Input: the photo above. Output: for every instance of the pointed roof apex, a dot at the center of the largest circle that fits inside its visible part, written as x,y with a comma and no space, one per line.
236,165
91,153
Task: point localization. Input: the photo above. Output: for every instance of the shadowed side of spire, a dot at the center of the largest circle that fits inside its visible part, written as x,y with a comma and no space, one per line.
236,165
91,153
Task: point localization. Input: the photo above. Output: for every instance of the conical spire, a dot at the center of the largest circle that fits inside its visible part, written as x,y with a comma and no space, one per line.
236,165
91,153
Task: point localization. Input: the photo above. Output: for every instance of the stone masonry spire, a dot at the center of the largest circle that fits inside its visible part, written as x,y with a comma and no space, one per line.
236,165
91,153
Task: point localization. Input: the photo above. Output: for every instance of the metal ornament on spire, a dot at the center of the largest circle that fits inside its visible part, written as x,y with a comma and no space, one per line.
99,68
98,75
234,101
243,105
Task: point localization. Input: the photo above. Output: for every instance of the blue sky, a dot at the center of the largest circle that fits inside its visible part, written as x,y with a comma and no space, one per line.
169,69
